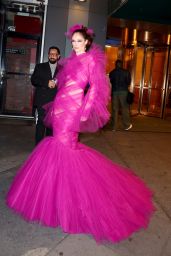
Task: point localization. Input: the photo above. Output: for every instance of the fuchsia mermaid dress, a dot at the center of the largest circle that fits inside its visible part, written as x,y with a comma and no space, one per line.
69,185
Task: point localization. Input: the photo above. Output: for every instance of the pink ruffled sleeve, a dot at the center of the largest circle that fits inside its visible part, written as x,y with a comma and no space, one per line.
94,113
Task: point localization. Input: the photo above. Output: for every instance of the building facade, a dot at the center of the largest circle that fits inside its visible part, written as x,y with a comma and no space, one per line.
28,29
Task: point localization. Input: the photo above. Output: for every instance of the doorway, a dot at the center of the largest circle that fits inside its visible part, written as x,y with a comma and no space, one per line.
20,43
150,67
150,83
19,58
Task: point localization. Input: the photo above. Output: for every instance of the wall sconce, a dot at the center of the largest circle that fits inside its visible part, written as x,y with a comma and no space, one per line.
27,8
146,36
125,36
168,39
34,9
80,1
134,41
20,7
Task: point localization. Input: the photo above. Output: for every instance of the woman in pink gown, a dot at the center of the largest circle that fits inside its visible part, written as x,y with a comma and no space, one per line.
67,184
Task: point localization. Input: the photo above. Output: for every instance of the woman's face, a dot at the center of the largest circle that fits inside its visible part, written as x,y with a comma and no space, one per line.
78,43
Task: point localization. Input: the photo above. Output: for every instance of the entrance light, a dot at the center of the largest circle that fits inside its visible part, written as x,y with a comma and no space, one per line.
168,39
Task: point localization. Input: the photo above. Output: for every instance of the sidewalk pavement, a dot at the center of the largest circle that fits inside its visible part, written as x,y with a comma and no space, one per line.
145,148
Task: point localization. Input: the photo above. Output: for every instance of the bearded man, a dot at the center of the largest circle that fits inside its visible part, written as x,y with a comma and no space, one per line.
43,79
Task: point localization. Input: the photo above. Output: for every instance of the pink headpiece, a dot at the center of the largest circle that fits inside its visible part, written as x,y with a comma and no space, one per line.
72,29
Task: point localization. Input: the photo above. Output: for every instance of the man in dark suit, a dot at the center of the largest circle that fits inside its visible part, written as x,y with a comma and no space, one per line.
43,79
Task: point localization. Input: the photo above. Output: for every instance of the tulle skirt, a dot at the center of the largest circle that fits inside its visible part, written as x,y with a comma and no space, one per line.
81,191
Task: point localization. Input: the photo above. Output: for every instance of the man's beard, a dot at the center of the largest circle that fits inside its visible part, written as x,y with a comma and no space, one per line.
52,61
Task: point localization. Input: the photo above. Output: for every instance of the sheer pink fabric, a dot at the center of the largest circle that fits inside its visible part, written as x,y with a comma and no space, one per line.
69,185
84,113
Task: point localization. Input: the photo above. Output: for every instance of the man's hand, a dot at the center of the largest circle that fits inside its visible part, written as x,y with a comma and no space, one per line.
51,84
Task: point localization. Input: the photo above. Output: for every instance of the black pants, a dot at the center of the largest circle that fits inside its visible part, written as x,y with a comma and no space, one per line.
41,130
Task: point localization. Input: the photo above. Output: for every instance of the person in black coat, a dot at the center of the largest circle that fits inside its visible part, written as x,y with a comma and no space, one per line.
43,79
120,79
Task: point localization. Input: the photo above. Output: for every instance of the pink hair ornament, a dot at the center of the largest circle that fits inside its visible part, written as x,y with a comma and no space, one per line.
72,29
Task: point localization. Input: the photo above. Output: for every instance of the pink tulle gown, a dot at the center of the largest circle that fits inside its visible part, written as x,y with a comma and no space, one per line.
69,185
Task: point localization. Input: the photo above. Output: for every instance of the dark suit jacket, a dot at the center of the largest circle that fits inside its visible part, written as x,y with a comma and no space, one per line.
39,79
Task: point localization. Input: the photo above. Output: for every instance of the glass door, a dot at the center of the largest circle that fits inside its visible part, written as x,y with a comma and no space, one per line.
137,69
150,80
167,109
19,58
